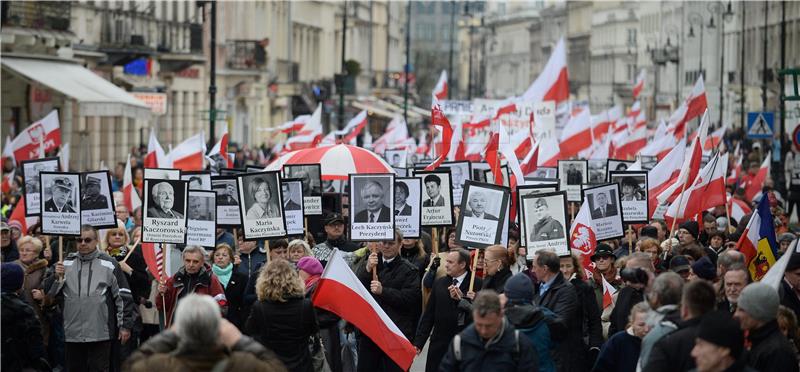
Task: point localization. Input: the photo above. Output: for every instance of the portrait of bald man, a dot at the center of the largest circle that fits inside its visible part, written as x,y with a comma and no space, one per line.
372,201
163,195
477,203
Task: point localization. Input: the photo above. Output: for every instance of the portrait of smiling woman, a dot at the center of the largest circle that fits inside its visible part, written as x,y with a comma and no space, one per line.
265,205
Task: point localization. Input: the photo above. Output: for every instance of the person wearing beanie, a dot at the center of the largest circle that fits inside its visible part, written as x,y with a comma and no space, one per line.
23,346
604,267
757,314
789,290
688,235
785,240
703,269
528,319
448,310
719,345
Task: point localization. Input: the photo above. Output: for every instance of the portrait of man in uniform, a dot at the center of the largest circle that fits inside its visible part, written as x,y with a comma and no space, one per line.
92,198
61,193
545,226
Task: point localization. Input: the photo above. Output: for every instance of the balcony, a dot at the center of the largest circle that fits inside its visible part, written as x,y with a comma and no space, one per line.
246,55
47,15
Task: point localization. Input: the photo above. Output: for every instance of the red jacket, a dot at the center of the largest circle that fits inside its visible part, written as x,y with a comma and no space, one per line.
206,283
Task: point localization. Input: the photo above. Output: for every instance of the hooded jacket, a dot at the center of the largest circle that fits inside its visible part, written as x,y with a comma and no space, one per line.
531,321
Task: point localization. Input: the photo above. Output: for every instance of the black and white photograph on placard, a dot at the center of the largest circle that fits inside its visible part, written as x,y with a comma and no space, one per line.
227,200
164,219
616,165
312,185
31,187
597,170
331,186
544,220
648,162
97,204
484,210
407,206
292,196
489,176
60,206
261,205
401,171
477,171
437,197
198,180
528,189
573,173
396,158
545,172
633,195
202,221
162,174
460,172
604,207
371,217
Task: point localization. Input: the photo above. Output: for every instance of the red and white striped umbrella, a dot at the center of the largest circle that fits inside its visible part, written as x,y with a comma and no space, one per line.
336,161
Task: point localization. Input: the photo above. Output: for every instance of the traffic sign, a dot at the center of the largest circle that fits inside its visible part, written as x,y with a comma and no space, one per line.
796,138
760,125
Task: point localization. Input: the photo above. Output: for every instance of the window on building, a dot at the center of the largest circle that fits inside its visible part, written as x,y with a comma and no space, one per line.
631,36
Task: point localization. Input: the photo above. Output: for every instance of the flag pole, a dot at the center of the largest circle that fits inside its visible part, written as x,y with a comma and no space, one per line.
435,240
674,220
474,268
61,252
131,249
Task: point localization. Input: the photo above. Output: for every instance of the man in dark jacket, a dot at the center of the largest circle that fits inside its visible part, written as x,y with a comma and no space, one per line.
673,351
719,345
490,343
23,347
757,313
529,319
334,238
790,287
443,312
395,285
560,297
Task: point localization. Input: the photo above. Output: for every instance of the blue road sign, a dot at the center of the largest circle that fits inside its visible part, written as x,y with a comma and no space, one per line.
760,125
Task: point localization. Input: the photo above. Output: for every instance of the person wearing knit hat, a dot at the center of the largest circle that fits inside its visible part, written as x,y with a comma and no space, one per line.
688,234
11,277
757,314
690,227
528,318
719,344
785,240
23,347
310,270
519,289
680,265
703,269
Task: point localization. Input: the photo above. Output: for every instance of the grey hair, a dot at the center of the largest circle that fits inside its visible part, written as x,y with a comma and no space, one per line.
728,258
197,321
668,287
195,249
486,302
157,188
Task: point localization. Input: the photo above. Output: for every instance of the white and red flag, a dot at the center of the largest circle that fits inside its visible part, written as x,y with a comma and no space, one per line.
690,168
188,155
18,219
530,162
738,208
715,138
608,292
707,191
396,134
665,173
155,157
577,134
440,90
553,82
354,128
38,138
691,108
438,119
129,194
660,146
492,157
582,237
340,291
639,85
221,148
631,145
310,135
601,124
757,182
8,151
549,152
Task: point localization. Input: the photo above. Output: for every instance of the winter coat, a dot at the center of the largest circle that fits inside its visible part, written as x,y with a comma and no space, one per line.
22,345
445,316
531,321
34,279
770,350
91,295
285,328
505,352
789,297
497,282
401,297
251,263
412,255
665,319
562,299
205,282
672,352
626,298
234,294
619,354
160,353
589,312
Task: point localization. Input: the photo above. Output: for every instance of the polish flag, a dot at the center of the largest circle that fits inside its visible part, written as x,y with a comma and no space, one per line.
8,151
665,173
310,135
637,88
129,193
577,134
530,161
640,121
738,208
457,146
582,237
715,138
660,146
396,133
553,82
608,293
549,152
661,130
188,155
354,127
221,147
523,145
18,219
601,124
154,258
474,146
438,119
690,168
8,178
440,90
156,157
603,150
692,107
633,143
294,125
508,145
757,182
340,292
507,106
736,173
38,138
493,158
707,191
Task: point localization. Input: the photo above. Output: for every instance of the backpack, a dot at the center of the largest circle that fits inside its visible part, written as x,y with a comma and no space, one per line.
514,353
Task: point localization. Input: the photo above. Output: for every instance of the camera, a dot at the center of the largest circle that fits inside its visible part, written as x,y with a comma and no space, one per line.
635,275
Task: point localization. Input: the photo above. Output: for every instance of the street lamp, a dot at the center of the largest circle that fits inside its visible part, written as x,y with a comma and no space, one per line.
697,19
726,16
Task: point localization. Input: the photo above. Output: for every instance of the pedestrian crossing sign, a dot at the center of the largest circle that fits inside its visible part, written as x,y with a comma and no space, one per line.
760,125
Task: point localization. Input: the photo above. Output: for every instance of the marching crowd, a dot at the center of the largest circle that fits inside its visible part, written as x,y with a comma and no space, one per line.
679,303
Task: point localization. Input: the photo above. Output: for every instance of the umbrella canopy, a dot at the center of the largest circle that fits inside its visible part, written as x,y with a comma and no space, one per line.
336,161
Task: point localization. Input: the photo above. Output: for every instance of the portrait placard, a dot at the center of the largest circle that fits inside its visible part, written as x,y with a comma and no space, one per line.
460,172
489,176
396,158
312,191
401,171
31,187
261,205
633,195
526,190
478,169
604,206
292,197
597,170
61,211
231,171
162,174
227,190
437,197
407,206
484,213
616,165
164,217
371,218
198,180
544,172
573,173
332,186
97,203
544,220
202,220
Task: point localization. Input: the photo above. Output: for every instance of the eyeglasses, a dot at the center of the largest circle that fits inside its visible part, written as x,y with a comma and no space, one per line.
85,241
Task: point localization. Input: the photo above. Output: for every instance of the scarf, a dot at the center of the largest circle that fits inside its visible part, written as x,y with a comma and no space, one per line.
223,274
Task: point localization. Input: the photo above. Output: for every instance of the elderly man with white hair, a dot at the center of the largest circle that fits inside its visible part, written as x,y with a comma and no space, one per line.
192,277
164,199
477,206
201,340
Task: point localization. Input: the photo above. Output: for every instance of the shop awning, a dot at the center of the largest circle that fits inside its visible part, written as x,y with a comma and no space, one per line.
96,96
